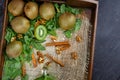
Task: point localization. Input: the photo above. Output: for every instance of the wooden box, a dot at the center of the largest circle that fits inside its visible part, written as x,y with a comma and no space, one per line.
92,14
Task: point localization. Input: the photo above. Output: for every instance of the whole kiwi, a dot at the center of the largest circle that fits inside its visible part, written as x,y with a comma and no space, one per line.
14,49
15,7
67,20
20,24
47,10
31,10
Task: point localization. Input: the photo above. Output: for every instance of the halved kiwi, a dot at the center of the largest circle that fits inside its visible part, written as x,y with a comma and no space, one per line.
40,32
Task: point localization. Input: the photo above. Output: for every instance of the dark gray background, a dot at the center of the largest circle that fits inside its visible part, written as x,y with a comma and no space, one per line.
107,50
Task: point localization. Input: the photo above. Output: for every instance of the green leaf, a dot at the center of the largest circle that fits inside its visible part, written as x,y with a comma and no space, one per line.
17,65
73,10
10,16
37,46
38,17
27,51
12,69
34,20
50,25
15,74
52,32
46,77
17,59
30,31
65,8
68,33
25,77
57,7
22,59
77,24
27,39
9,34
49,77
40,78
56,18
62,8
27,57
38,41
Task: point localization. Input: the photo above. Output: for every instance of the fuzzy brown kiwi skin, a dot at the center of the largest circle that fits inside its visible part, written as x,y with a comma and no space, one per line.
20,24
14,49
67,21
31,10
47,10
15,7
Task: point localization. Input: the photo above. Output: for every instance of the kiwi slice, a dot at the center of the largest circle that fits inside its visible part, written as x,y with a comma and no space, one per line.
40,32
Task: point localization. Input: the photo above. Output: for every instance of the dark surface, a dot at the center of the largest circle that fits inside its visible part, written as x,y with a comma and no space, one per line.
1,15
107,50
